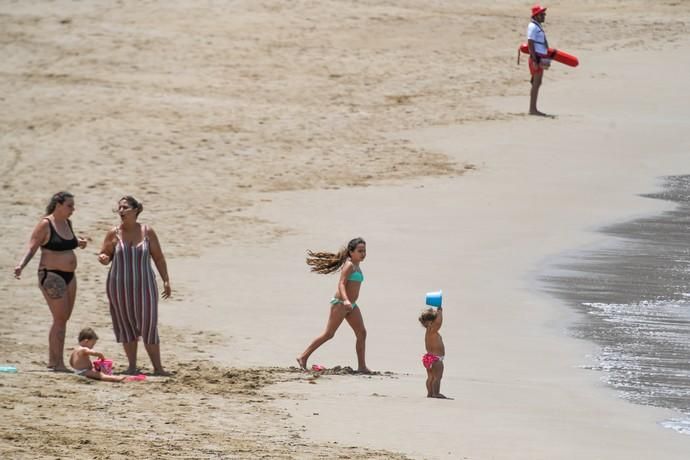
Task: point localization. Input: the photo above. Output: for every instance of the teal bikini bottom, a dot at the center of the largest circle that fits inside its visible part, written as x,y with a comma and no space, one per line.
336,301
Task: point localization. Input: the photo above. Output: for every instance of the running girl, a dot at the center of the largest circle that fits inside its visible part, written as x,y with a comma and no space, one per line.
344,302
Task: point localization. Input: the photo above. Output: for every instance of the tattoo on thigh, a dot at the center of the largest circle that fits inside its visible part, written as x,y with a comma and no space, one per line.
54,286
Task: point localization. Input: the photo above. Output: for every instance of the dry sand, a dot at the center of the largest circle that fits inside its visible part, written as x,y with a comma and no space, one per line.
241,126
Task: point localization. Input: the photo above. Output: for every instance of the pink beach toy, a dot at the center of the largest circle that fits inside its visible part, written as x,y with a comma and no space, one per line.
318,368
103,365
136,378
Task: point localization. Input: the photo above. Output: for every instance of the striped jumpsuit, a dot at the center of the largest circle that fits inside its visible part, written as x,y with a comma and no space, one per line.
133,292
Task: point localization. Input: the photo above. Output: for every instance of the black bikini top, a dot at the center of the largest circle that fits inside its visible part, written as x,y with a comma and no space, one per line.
58,243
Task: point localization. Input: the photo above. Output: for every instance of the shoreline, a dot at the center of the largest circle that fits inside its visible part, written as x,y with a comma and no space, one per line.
629,294
517,336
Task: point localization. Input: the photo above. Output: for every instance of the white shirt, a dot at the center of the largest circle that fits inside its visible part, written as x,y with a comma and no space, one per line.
536,34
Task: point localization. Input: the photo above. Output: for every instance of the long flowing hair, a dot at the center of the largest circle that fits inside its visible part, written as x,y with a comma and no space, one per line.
328,262
59,197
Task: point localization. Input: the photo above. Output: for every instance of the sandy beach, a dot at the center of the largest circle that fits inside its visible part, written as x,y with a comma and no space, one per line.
255,131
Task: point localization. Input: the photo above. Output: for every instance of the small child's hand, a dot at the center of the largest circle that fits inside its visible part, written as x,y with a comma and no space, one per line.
82,243
100,355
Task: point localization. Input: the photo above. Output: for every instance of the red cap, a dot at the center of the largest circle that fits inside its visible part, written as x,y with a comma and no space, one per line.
536,9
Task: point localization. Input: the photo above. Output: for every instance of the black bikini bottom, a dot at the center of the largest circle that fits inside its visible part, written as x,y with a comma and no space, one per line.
67,276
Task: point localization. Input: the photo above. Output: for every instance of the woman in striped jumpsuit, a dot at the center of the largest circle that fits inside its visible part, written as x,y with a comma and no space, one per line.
131,284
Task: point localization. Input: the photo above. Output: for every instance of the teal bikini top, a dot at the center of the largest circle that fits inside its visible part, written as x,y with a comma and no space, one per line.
356,276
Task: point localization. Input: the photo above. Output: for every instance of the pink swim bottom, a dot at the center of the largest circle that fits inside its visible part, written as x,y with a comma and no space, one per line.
429,359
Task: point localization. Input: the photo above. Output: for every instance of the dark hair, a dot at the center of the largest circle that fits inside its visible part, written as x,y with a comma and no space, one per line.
87,334
59,197
133,203
328,262
428,314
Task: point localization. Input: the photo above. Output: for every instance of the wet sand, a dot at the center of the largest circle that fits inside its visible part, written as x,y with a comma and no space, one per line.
631,295
516,375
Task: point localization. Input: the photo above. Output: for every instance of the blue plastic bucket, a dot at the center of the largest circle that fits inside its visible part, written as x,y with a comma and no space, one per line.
434,299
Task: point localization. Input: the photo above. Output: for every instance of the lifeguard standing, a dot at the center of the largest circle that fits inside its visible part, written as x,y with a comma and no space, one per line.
538,54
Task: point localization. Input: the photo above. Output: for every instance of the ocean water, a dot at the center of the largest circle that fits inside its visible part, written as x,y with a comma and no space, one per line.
632,294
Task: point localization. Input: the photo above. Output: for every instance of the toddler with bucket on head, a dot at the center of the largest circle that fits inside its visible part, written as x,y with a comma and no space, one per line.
431,319
80,359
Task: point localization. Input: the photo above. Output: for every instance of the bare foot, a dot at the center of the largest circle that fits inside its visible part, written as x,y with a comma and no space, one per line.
162,373
132,371
440,396
364,370
302,364
537,113
60,369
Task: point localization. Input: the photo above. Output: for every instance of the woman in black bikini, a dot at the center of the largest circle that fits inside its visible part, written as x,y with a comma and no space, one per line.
54,235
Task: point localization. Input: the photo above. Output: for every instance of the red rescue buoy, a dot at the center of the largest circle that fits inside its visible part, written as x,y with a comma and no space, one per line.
556,55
